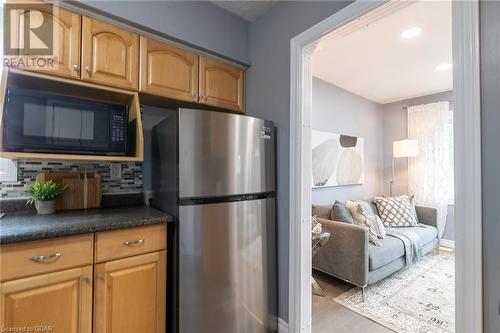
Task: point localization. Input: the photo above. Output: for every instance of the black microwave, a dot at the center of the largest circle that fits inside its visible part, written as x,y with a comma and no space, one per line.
41,122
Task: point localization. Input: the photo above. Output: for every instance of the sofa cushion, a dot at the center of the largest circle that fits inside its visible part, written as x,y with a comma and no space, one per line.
321,211
426,233
390,249
341,213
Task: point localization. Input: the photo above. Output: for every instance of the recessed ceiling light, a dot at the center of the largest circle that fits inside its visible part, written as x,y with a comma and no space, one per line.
411,32
443,67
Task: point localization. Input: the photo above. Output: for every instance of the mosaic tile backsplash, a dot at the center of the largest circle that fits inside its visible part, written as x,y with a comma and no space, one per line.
131,180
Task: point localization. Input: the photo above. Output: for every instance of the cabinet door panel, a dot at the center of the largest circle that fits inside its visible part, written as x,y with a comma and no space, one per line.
221,85
65,37
61,301
168,71
130,295
109,54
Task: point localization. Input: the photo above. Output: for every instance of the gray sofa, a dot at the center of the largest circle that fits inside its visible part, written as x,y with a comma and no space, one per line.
349,256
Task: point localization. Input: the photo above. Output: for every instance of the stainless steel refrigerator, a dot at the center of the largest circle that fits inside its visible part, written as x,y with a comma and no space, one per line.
215,173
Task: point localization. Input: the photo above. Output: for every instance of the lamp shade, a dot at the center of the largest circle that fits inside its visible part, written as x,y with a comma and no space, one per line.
405,148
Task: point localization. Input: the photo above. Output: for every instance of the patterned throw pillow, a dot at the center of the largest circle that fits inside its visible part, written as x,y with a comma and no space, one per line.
372,221
360,219
397,212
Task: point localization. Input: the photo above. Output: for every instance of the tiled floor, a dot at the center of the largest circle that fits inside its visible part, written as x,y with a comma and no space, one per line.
328,316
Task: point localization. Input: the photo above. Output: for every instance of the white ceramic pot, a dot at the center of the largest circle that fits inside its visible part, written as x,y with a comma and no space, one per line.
46,207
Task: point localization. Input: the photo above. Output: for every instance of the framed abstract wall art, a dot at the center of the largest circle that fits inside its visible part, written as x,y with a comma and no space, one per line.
337,159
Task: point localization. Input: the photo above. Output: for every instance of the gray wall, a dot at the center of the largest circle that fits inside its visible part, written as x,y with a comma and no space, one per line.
339,111
197,22
394,128
490,101
268,96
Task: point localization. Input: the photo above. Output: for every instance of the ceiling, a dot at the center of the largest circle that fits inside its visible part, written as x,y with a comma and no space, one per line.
369,57
249,10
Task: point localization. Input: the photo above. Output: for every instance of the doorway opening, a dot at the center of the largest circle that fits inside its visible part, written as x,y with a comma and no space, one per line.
357,19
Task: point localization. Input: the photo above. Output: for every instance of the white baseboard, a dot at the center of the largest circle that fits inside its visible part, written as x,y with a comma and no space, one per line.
282,326
447,243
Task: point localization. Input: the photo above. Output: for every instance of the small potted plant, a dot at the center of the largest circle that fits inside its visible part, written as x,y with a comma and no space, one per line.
44,195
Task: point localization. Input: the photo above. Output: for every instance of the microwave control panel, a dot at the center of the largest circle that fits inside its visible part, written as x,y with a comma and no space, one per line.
118,128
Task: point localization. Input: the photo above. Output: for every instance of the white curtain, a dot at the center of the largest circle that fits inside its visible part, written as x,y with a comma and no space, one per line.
431,173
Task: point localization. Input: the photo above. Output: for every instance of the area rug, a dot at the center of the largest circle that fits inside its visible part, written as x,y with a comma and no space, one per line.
418,299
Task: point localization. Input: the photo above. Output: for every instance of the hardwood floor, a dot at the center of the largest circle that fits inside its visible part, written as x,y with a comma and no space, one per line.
329,316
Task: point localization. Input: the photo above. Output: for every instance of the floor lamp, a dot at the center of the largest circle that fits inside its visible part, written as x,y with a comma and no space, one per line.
403,148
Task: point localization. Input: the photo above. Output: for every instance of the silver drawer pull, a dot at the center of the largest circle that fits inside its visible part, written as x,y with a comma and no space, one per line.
50,257
134,242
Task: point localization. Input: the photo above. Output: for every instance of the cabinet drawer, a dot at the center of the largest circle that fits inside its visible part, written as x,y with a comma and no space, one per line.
48,255
129,242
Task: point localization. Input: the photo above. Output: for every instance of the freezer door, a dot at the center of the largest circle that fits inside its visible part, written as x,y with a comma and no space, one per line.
223,154
227,274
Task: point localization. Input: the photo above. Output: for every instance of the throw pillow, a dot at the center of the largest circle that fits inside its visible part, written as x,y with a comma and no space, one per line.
397,212
341,213
372,220
361,220
412,201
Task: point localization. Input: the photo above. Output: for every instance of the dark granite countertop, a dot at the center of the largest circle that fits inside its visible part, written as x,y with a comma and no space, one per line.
27,226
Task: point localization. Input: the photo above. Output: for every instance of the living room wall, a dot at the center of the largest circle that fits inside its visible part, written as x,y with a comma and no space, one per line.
339,111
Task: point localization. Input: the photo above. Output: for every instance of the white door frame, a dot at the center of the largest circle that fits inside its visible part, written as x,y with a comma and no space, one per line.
468,243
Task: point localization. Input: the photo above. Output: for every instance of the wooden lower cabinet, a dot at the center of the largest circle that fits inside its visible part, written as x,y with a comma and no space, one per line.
129,294
59,302
124,292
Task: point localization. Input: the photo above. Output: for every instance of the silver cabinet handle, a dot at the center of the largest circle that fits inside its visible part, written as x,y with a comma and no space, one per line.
75,68
134,242
86,279
195,95
50,257
87,70
100,277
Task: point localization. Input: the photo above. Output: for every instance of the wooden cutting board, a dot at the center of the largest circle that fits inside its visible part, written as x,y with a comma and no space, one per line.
83,191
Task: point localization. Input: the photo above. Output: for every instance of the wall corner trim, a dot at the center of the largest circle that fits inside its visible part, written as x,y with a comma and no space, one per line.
468,187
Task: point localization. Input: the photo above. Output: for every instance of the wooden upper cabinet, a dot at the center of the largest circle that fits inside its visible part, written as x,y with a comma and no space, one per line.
221,85
60,300
129,294
65,38
109,54
168,71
